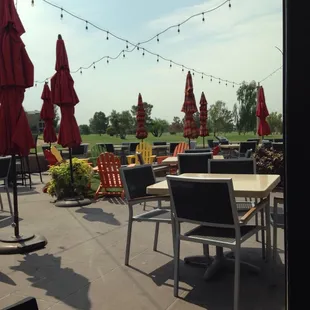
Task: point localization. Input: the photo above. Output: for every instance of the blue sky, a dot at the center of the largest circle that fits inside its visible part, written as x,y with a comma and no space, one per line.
235,44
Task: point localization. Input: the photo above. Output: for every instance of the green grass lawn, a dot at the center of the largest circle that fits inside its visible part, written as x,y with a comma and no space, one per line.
233,136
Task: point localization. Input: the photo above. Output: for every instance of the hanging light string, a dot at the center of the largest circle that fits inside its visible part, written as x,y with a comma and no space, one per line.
138,45
110,34
269,75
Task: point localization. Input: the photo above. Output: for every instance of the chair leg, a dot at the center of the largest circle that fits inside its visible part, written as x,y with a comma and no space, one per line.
9,199
38,164
237,278
156,236
176,265
263,234
144,206
1,203
127,253
256,224
28,171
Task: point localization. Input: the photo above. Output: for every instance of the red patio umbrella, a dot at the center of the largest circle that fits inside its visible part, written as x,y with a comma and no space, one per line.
203,118
141,132
47,115
262,113
189,108
64,95
16,74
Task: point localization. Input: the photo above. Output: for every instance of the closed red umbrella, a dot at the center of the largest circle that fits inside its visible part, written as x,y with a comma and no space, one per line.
203,132
262,113
16,74
64,95
189,108
141,132
47,115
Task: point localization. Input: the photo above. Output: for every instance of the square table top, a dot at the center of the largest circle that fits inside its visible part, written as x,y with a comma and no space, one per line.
245,185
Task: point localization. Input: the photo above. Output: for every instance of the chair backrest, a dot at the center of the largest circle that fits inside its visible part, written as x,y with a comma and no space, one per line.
5,166
56,153
109,147
35,140
194,163
146,151
136,179
205,150
189,202
80,150
180,148
133,146
172,147
233,166
254,139
109,170
140,158
159,143
210,142
247,145
266,144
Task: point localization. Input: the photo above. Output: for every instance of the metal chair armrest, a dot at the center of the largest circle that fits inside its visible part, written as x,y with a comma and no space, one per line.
253,211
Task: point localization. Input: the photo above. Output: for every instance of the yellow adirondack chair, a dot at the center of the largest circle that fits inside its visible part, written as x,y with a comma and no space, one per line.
146,151
57,154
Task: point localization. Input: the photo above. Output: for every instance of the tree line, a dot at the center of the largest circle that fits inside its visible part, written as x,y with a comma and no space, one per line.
242,118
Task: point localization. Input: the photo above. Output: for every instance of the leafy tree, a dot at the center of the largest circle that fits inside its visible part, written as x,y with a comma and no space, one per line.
84,129
99,123
246,95
158,127
110,131
220,118
196,119
275,122
148,111
236,117
122,123
176,125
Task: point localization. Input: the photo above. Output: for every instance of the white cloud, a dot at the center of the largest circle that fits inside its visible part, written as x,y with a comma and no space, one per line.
235,44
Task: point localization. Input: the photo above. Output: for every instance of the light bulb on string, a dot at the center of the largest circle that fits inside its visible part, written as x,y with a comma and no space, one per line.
229,4
32,2
138,47
86,26
123,54
157,58
193,73
126,44
170,64
211,78
108,60
233,84
94,66
107,35
81,71
143,53
226,83
35,84
61,14
178,28
182,68
202,76
219,81
203,17
157,39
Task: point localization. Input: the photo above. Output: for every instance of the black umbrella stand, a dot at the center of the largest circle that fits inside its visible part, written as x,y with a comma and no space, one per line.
203,141
18,243
73,200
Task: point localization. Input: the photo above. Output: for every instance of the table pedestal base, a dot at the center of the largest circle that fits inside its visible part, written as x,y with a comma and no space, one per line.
200,260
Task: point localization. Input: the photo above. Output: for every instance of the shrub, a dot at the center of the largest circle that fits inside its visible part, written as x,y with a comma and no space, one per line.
111,131
270,162
172,132
60,185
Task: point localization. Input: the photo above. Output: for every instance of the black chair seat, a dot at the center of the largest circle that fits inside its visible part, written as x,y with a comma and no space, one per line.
154,215
226,235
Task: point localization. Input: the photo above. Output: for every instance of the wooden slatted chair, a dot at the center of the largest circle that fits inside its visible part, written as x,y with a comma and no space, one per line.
146,151
109,172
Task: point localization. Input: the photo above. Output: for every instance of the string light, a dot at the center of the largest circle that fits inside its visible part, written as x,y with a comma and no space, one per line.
32,2
202,76
81,71
142,42
178,28
170,64
94,66
269,75
211,78
126,44
86,26
203,17
229,4
61,14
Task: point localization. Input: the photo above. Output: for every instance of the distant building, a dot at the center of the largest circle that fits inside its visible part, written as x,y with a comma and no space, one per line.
35,123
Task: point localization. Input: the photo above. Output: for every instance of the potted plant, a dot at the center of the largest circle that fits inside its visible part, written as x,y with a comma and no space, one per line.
269,161
60,186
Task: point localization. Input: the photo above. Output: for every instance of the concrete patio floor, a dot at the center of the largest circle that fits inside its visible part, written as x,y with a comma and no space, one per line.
82,266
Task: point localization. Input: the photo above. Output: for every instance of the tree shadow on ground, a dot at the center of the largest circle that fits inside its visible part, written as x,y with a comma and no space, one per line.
98,215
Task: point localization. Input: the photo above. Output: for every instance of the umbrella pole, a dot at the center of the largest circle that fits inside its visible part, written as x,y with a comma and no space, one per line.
71,168
203,141
189,143
15,198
